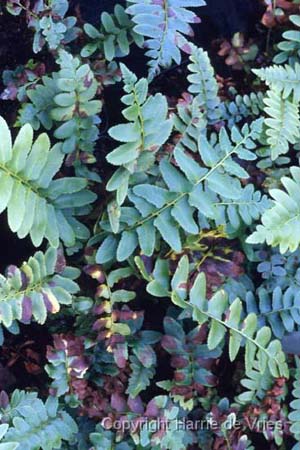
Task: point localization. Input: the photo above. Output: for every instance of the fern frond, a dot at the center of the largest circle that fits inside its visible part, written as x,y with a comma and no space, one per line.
248,208
66,101
75,106
36,204
109,320
290,47
141,136
242,107
39,287
103,439
283,123
203,84
40,425
281,309
142,133
114,36
190,359
190,188
281,223
38,112
222,318
190,123
66,360
257,385
163,24
258,343
140,376
12,407
284,79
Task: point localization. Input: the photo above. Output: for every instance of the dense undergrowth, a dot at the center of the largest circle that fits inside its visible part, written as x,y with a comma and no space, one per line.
160,307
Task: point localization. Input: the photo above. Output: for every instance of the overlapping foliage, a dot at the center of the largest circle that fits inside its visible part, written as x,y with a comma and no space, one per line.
180,282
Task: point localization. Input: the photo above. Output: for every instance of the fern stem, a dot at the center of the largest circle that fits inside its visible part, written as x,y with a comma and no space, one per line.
236,330
30,13
21,180
183,194
165,33
34,287
233,329
141,119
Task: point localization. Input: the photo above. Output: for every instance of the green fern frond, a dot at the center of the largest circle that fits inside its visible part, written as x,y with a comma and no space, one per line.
38,112
242,107
163,24
40,426
7,445
281,309
103,439
75,105
283,123
12,407
290,47
66,101
140,376
257,385
281,223
36,204
141,137
203,84
284,79
223,318
248,208
190,123
39,287
114,36
142,133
